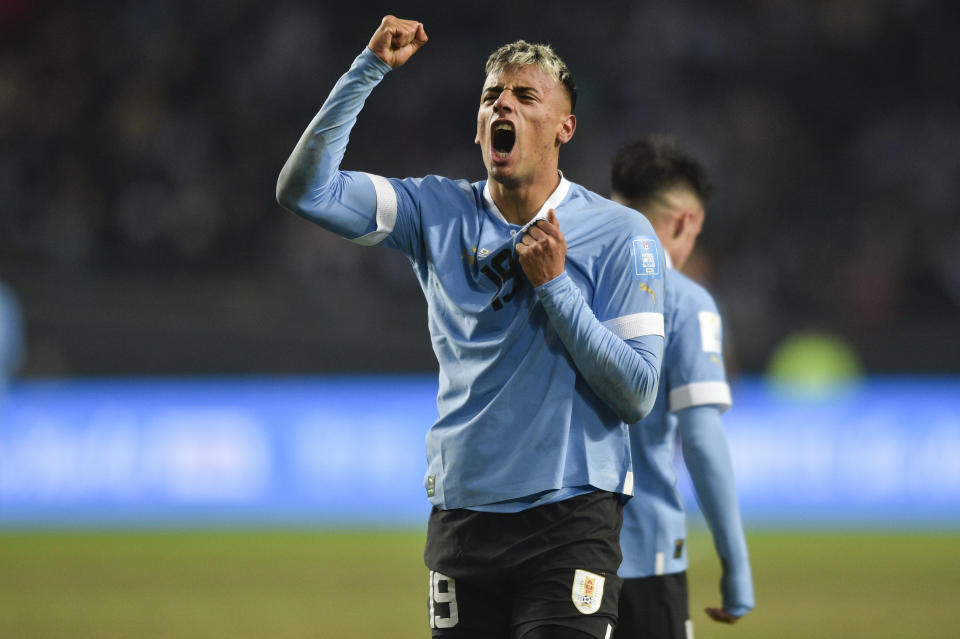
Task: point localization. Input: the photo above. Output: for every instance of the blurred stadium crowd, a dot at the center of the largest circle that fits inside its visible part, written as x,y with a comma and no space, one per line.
140,143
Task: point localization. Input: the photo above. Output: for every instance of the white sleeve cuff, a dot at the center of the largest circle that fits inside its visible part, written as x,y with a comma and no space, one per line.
701,394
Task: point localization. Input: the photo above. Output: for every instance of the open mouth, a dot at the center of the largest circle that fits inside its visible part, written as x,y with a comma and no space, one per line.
503,138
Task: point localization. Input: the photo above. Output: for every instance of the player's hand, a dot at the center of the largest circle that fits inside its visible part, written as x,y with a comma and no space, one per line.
395,40
542,251
721,615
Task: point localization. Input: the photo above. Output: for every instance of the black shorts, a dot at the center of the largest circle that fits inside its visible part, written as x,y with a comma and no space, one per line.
500,575
655,608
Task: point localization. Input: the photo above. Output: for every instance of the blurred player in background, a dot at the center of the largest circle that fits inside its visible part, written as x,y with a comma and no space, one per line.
548,342
11,337
652,175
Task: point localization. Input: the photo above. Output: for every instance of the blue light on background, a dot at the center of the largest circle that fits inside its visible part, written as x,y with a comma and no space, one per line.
321,450
350,451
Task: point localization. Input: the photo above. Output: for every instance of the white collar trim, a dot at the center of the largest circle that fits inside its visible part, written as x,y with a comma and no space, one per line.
552,202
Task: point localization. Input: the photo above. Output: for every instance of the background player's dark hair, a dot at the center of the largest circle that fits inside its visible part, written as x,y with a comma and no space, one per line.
646,167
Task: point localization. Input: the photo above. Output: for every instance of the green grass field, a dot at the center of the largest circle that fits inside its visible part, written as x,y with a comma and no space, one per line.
362,585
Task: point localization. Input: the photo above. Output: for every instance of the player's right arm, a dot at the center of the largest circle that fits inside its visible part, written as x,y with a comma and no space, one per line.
311,184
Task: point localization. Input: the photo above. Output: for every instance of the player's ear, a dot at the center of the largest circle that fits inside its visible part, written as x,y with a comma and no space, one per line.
687,221
567,126
679,224
696,218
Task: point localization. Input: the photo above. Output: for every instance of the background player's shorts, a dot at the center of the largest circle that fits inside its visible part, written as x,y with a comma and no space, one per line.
655,608
503,574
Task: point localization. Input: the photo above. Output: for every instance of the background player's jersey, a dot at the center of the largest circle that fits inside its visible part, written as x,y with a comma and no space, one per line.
510,397
654,528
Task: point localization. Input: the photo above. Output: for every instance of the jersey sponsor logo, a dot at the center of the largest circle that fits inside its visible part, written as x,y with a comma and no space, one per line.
587,591
710,332
646,262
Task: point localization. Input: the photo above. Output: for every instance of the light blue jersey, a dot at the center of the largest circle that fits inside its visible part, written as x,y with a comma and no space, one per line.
692,394
535,384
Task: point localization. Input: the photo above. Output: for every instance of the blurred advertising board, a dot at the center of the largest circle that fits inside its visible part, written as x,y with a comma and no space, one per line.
344,451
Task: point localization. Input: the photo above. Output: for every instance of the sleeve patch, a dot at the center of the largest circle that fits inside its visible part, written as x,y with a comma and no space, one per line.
710,332
646,261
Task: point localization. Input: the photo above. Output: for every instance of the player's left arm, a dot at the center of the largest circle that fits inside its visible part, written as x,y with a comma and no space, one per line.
699,393
621,366
707,458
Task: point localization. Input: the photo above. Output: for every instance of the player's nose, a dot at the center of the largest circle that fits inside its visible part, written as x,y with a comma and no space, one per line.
504,102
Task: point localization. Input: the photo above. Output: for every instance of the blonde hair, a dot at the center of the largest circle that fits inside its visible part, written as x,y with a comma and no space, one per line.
522,53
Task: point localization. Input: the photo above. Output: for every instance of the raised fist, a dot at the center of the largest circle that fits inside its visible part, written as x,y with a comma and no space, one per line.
395,40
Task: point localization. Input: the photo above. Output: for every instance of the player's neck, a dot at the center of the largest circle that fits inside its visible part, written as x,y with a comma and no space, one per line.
519,204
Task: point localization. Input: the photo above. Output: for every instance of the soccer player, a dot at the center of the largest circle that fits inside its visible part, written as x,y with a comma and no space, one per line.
545,311
670,187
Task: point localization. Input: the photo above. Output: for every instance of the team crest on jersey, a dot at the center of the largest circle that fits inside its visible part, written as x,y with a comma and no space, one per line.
646,262
587,591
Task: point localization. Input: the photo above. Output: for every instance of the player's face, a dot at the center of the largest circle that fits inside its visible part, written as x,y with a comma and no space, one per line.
523,119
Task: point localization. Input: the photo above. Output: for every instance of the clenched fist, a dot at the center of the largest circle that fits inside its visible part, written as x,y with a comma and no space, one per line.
542,252
395,40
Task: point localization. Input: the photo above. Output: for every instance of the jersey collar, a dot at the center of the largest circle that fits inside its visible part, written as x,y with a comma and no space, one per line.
552,202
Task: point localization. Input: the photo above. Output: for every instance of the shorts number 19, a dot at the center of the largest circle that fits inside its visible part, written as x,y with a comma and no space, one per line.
443,601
